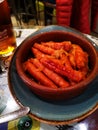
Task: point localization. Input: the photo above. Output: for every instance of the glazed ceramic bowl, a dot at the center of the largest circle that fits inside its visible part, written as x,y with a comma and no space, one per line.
47,93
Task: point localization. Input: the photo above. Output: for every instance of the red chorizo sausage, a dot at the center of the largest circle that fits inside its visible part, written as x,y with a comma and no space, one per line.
66,45
67,71
44,49
38,75
37,53
57,79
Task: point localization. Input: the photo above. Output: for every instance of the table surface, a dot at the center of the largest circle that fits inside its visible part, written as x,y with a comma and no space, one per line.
89,123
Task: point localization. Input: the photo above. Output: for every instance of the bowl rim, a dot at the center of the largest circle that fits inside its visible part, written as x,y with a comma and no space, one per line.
28,81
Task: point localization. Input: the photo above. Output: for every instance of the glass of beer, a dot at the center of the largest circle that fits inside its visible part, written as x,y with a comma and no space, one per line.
7,37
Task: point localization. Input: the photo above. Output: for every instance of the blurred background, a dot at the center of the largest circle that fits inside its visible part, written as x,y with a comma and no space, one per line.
29,14
33,13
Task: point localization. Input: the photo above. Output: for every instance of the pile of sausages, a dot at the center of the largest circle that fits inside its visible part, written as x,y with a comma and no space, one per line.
57,64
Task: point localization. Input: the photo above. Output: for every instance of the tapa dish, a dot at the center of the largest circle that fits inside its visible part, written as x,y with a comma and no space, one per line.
48,93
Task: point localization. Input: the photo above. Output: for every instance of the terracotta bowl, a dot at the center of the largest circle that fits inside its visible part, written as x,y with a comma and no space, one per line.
51,94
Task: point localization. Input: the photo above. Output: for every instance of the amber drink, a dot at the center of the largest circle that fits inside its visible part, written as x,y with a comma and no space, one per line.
7,38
